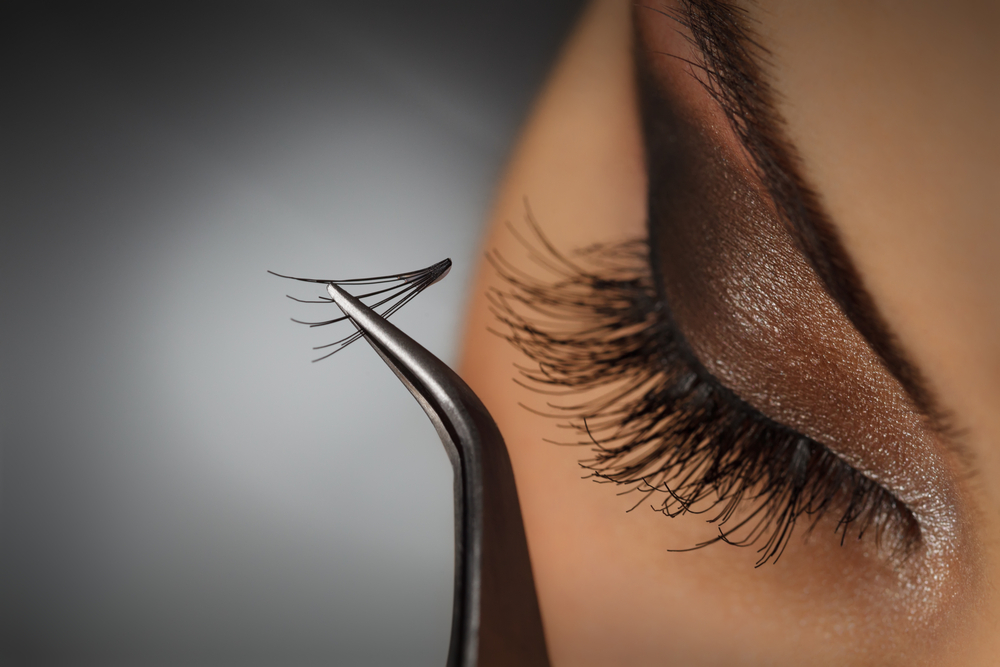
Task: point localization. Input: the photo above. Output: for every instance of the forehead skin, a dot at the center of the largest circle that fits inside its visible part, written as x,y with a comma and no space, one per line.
893,112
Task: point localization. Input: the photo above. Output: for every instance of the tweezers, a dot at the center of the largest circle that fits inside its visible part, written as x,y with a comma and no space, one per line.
495,614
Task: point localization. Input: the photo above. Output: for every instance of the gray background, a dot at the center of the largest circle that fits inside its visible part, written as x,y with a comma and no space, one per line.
178,484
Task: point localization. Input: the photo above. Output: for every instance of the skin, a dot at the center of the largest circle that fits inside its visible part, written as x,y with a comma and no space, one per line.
904,156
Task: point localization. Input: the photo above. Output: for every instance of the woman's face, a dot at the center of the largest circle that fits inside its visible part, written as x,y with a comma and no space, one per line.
819,290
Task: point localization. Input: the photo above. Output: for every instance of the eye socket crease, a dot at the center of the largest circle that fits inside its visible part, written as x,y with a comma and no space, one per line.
733,71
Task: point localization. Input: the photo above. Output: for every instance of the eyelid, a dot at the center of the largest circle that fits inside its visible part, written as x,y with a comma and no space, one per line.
659,423
883,435
756,313
716,45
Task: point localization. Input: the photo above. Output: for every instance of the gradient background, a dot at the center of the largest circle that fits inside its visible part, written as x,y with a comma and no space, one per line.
178,484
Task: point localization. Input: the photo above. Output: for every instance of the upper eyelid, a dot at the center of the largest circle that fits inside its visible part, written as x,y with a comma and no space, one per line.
730,395
735,75
890,436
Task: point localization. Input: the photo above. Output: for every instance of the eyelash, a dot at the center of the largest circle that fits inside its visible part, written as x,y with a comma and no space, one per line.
391,293
659,422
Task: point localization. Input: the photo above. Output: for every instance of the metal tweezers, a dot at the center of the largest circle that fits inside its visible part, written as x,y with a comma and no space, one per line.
495,617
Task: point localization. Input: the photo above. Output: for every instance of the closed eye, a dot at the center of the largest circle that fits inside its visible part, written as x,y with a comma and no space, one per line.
660,425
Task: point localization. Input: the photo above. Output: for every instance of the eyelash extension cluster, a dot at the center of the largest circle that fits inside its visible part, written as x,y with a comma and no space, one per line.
395,292
657,422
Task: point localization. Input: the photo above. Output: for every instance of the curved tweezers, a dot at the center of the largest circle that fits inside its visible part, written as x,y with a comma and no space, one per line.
495,617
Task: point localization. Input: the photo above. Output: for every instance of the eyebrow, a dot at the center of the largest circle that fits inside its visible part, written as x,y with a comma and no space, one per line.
733,73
